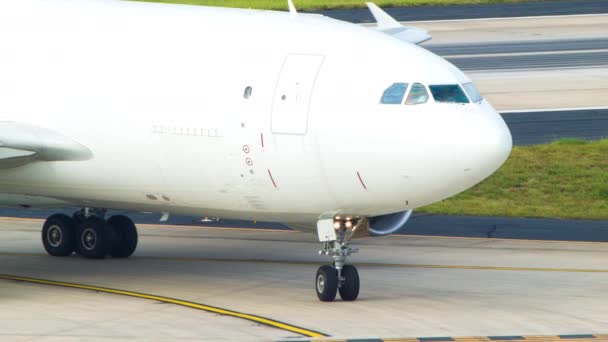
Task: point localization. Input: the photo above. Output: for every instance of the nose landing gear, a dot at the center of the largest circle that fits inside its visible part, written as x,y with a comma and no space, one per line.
90,235
339,277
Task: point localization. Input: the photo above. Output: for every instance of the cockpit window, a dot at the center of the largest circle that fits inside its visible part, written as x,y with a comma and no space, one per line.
417,95
394,94
472,91
450,93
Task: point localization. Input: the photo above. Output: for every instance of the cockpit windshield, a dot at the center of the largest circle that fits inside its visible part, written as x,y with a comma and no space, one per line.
448,93
394,94
417,95
472,91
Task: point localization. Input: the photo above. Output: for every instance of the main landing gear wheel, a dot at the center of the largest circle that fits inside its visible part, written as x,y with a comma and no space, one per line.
89,234
124,236
326,283
93,238
59,235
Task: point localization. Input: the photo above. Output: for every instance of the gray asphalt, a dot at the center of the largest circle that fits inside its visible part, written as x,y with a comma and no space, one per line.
517,55
529,128
565,53
528,62
507,228
526,9
528,46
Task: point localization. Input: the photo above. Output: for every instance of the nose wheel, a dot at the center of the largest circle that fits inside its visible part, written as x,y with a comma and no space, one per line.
329,283
349,288
337,277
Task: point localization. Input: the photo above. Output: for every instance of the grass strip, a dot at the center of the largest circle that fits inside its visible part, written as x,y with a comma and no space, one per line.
565,179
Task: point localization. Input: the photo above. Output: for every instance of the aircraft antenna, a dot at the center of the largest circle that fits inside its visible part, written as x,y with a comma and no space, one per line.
292,8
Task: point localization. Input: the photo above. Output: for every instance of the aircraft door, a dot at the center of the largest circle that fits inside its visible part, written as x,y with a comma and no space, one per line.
293,93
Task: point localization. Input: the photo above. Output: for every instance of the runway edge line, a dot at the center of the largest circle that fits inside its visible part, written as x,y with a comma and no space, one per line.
253,318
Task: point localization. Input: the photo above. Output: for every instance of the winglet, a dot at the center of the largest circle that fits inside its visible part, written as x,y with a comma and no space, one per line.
292,8
384,20
390,26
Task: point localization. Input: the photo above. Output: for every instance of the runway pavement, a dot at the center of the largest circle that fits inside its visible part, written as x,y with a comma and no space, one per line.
515,54
479,11
517,46
411,287
532,61
529,54
541,127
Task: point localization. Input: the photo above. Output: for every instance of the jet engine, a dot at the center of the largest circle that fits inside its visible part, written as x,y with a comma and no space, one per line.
387,224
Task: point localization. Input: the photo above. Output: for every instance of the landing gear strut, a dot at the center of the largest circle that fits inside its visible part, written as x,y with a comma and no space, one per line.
337,277
89,234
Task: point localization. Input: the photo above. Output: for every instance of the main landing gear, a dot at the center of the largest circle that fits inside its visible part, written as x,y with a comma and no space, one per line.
89,234
337,277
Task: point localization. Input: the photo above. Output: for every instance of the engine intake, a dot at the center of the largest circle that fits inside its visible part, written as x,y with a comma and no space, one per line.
387,224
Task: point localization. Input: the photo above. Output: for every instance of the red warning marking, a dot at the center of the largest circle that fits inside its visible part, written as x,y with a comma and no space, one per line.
361,180
272,178
262,139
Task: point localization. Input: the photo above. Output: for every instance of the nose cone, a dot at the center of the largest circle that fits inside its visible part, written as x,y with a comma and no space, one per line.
494,142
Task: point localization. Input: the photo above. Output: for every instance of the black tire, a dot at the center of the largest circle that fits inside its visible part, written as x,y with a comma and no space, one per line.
93,238
349,290
59,235
326,283
124,236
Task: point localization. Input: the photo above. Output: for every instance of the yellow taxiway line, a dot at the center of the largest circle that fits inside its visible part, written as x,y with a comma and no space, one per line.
258,319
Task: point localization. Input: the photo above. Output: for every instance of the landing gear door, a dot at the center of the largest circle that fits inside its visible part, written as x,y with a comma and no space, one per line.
293,93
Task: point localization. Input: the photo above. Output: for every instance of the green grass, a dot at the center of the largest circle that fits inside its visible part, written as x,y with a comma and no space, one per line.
564,179
326,4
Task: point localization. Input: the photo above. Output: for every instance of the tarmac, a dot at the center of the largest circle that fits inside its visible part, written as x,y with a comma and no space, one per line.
411,286
477,11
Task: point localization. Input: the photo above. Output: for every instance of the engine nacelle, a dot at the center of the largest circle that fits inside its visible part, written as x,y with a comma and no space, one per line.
387,224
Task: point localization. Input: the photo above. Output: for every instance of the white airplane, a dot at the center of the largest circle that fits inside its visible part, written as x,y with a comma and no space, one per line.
323,125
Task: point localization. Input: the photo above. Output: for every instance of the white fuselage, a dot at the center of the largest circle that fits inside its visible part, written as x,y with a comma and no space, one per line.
157,93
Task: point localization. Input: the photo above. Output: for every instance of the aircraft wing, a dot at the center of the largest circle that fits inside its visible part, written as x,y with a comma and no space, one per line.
22,143
392,27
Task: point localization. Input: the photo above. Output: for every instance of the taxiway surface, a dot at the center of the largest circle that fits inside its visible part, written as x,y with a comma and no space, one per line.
478,11
411,286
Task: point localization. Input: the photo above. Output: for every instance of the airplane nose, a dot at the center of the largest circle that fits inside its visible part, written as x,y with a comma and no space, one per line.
496,142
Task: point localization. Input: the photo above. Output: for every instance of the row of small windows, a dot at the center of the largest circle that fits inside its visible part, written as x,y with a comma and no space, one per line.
418,94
